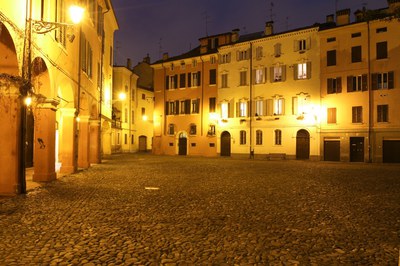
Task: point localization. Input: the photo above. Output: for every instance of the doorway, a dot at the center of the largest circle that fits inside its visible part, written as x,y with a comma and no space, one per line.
142,143
225,144
356,149
182,144
302,145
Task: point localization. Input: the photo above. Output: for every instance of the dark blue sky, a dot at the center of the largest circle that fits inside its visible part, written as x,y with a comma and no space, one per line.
174,26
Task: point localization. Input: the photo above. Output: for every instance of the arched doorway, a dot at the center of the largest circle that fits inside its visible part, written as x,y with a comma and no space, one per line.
225,144
182,144
302,145
142,143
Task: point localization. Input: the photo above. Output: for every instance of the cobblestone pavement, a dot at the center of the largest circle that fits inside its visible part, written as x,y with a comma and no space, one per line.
161,210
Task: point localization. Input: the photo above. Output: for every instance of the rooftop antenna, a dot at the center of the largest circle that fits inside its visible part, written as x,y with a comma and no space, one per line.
271,11
336,5
206,17
287,23
160,50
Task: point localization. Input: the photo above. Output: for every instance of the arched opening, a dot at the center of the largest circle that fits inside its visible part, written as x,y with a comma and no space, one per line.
302,145
182,144
225,144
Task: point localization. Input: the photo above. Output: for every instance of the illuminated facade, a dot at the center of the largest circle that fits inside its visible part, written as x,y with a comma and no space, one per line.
60,129
360,87
132,127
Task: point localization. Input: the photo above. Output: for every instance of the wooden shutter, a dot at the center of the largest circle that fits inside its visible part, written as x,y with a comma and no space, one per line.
350,83
198,78
296,71
271,74
283,73
283,105
364,78
248,108
175,81
339,85
270,107
176,107
374,81
167,82
391,80
166,108
189,75
187,107
295,106
296,46
329,85
308,43
309,70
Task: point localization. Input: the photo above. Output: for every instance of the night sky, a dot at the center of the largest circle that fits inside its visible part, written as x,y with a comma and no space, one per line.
174,26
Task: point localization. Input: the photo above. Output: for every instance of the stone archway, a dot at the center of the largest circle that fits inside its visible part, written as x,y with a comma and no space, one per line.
10,116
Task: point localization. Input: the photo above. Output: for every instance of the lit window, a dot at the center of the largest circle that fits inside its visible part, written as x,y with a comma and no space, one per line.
259,107
224,110
242,109
259,76
302,71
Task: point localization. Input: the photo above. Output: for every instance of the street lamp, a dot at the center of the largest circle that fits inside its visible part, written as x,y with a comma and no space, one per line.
39,27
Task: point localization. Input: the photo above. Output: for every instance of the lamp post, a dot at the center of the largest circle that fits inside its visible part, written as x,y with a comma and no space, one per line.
37,27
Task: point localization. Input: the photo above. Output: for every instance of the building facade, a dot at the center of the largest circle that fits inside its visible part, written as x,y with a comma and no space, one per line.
51,81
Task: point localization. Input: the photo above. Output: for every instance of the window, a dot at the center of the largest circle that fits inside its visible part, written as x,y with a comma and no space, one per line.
259,75
86,56
356,112
380,30
331,39
301,104
172,67
331,115
100,23
212,102
224,80
381,50
242,55
183,65
260,107
195,106
302,45
383,111
213,76
331,58
225,58
225,110
259,52
334,85
125,139
133,117
278,137
171,129
132,139
278,73
213,60
172,108
193,129
143,96
243,78
357,83
211,130
185,107
356,54
276,106
194,79
60,33
126,115
171,82
194,63
259,137
242,109
302,71
382,80
277,50
143,111
356,34
182,80
242,137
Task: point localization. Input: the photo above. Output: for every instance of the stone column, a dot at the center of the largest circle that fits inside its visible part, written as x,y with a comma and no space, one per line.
45,142
68,147
83,142
10,136
94,150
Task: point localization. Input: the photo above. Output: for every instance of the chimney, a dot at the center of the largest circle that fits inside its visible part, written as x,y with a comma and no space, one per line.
269,28
146,59
330,18
359,15
128,63
235,35
165,56
343,17
393,5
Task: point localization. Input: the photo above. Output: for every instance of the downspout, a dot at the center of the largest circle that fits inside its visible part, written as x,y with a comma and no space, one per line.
202,96
370,97
251,102
163,132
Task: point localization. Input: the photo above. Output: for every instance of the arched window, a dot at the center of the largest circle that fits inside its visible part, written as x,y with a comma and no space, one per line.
259,137
278,137
242,137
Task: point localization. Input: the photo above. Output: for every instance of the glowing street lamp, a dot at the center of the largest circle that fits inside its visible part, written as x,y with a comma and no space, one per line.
76,13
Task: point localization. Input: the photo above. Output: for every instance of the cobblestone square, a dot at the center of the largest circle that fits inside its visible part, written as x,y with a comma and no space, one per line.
170,210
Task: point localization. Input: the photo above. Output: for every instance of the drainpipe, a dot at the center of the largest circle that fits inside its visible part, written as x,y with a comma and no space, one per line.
202,95
370,97
251,102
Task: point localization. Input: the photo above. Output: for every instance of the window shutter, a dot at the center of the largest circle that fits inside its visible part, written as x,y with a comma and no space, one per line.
177,107
349,83
391,80
175,81
237,56
296,71
308,43
167,82
270,106
229,57
374,81
253,77
283,106
295,107
364,78
248,108
166,108
189,75
309,70
187,107
237,109
283,72
264,75
198,78
296,46
339,85
271,74
329,86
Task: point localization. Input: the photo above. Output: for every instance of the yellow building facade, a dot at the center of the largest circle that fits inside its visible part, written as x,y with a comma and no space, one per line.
59,68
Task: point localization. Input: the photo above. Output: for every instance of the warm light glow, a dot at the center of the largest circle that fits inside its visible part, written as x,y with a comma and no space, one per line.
122,96
78,119
214,116
144,118
28,101
76,13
